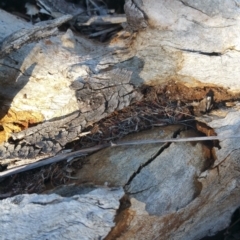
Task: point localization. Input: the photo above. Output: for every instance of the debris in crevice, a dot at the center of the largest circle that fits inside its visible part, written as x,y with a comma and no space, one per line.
139,116
175,90
153,111
157,108
38,180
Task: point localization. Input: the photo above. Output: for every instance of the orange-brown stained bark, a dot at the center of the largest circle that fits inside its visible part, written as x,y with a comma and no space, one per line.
16,121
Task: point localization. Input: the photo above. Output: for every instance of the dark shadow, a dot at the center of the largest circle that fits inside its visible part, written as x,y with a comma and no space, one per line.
232,232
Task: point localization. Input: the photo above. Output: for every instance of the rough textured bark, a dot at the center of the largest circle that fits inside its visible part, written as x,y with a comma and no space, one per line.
176,191
86,213
66,69
96,98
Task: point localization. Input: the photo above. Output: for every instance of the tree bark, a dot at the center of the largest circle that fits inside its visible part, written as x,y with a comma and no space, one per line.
61,84
52,89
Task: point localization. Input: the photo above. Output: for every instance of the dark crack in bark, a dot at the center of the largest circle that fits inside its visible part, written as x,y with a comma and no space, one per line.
190,6
211,54
162,148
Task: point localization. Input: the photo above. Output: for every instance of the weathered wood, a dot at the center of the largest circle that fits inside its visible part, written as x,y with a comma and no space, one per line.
80,95
85,212
96,97
189,48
